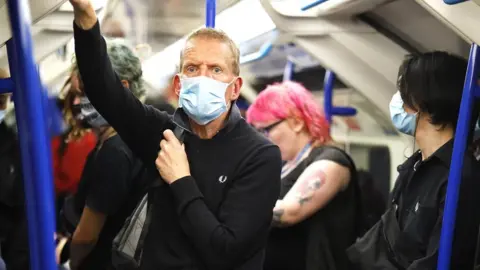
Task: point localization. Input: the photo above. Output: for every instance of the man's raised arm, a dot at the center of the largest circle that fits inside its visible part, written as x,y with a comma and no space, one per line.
139,126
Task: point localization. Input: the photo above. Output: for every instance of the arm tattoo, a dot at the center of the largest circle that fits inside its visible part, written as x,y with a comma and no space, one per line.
303,193
306,189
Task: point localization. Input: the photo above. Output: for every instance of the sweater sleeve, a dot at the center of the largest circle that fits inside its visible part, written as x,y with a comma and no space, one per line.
244,216
140,126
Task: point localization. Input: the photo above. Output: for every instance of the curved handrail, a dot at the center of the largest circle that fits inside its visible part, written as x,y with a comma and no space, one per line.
264,50
313,4
453,2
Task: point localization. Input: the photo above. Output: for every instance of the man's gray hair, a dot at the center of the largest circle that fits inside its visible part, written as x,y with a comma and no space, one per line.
126,64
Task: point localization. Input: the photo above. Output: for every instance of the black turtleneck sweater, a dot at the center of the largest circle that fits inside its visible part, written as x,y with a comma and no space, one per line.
219,217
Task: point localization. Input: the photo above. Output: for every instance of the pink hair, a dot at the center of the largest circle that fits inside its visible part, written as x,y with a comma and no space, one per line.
290,99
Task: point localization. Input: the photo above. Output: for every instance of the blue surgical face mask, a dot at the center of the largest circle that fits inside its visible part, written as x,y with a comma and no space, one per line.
2,115
403,121
203,98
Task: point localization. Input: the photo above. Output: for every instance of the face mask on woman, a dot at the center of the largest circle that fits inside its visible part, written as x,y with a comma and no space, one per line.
88,115
403,121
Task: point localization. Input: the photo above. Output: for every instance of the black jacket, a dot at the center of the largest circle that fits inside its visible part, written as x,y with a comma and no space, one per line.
408,235
217,218
13,223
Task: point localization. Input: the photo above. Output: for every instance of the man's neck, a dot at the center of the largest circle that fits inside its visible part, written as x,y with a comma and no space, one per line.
211,129
431,138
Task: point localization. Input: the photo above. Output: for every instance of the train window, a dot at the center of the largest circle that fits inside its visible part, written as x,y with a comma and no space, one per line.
376,161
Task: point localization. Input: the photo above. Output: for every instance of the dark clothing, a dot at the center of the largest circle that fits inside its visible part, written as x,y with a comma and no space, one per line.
219,217
318,242
110,179
160,104
13,217
374,205
408,235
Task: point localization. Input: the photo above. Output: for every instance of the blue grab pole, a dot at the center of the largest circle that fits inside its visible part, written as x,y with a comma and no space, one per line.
459,146
288,72
34,141
211,11
330,110
328,94
6,86
27,173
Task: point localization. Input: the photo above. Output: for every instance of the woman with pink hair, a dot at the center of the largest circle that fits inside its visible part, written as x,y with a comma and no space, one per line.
317,215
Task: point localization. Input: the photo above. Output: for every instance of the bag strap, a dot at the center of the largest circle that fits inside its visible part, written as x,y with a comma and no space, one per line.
179,133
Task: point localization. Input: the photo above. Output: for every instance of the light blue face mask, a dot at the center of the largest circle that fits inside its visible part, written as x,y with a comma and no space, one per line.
2,115
403,121
202,98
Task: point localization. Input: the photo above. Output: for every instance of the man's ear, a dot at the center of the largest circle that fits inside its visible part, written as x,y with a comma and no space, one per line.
176,84
236,87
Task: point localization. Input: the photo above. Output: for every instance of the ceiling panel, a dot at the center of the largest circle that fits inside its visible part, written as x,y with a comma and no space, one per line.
38,9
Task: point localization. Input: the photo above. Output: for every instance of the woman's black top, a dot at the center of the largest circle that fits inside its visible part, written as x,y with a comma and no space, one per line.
318,242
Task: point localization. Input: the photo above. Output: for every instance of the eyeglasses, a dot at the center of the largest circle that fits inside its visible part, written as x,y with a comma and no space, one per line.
268,128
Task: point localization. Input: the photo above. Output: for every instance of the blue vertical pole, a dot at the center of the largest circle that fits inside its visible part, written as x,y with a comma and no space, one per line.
211,11
288,72
26,172
459,146
328,94
34,141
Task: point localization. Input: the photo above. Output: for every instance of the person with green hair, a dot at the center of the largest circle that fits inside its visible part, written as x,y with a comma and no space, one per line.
112,180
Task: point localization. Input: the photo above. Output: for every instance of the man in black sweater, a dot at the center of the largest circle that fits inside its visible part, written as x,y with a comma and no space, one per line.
215,210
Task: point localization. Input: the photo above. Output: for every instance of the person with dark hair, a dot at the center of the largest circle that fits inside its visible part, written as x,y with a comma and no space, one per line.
70,149
112,180
14,246
426,107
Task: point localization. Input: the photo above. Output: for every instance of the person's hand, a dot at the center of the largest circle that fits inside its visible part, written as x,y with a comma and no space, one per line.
172,162
85,16
59,249
80,5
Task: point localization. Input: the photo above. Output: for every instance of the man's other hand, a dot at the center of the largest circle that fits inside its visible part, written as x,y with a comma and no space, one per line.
172,162
85,16
80,5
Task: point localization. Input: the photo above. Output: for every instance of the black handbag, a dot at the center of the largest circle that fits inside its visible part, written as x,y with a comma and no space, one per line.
128,244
